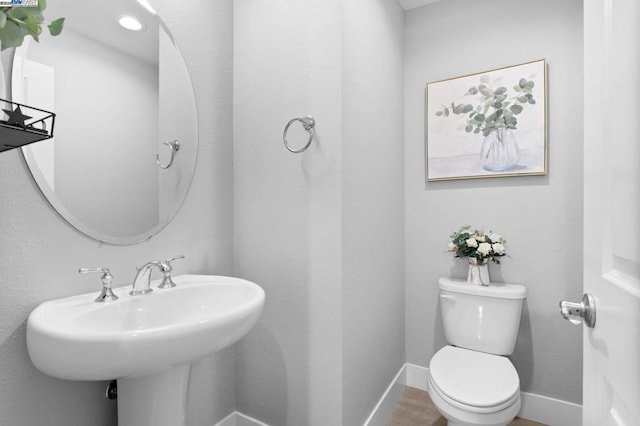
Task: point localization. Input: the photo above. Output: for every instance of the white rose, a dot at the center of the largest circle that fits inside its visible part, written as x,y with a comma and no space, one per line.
495,238
480,238
484,249
452,247
498,249
471,242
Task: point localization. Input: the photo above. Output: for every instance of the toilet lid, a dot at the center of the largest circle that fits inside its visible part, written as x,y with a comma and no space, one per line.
474,378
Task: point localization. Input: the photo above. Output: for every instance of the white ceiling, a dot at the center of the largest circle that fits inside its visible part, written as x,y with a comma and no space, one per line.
412,4
98,20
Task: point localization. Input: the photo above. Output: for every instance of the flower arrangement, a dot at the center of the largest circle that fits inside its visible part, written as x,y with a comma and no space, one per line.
496,107
471,243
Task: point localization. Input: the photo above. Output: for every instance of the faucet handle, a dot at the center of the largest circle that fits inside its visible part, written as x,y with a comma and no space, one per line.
171,259
106,277
167,282
106,295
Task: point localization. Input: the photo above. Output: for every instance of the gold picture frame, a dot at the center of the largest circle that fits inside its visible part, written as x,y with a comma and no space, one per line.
487,124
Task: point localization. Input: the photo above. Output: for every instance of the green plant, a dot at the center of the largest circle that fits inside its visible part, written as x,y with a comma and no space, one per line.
18,22
495,108
467,242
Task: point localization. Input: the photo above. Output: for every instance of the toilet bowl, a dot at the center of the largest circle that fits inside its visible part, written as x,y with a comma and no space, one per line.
473,388
471,381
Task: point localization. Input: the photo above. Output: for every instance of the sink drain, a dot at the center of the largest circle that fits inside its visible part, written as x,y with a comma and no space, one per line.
112,390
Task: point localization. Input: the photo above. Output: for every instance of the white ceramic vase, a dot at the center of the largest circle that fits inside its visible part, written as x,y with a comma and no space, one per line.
478,273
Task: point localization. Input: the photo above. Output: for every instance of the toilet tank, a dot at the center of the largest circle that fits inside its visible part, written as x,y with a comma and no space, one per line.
485,319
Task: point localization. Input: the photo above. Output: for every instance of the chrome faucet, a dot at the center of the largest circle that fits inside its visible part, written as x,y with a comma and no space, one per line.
142,281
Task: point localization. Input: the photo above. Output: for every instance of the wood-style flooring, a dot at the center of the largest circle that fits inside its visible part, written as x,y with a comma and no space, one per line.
416,409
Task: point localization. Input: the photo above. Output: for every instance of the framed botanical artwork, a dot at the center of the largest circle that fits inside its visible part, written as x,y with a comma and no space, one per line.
488,124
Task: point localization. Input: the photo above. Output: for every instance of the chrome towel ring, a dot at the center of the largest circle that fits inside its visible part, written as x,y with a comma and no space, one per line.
175,147
309,124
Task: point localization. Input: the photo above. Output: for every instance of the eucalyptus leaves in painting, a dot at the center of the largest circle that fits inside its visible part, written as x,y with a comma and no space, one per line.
488,124
495,108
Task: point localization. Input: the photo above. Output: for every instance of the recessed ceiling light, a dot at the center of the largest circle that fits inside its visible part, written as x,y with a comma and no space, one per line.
131,23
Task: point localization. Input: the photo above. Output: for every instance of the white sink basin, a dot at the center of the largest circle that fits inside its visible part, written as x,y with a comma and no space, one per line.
76,338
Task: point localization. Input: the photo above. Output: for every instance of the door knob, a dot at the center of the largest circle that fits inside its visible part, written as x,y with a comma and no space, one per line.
577,313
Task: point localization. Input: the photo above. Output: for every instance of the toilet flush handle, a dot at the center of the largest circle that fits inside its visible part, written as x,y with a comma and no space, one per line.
448,298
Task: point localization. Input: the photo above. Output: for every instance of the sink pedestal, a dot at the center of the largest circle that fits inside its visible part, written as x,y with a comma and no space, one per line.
156,400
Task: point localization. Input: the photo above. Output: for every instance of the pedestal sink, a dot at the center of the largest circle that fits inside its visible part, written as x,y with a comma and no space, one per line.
146,342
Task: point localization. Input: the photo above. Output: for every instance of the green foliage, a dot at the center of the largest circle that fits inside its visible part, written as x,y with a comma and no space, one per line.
55,28
18,22
495,108
467,242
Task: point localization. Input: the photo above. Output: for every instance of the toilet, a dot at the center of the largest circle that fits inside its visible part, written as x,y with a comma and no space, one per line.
471,382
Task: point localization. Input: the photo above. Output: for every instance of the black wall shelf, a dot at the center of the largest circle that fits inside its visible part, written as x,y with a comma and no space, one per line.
23,124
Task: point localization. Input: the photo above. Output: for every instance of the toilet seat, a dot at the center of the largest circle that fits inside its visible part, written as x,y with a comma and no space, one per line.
433,387
474,381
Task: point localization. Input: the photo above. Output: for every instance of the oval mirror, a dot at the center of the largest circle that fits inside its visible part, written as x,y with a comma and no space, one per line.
121,97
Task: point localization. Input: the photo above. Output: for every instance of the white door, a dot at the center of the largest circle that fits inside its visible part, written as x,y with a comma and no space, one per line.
611,394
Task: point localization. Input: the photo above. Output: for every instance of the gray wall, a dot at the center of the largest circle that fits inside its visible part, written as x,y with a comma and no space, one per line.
372,203
40,254
541,217
321,231
287,217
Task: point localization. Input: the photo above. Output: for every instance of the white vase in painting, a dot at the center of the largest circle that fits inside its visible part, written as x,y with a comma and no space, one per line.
500,151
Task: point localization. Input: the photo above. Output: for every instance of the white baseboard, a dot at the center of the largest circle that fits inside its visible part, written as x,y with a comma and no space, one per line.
538,408
384,408
417,376
550,411
239,419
